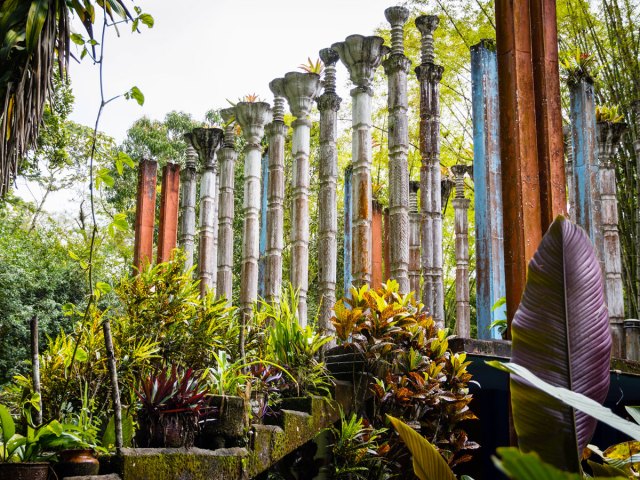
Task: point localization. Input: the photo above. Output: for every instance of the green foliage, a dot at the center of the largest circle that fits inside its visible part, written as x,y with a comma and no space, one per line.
611,114
578,65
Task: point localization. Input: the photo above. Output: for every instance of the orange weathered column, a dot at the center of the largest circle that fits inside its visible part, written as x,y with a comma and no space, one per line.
169,198
385,247
145,214
376,245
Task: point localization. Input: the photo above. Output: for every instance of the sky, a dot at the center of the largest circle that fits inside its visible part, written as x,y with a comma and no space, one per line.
203,52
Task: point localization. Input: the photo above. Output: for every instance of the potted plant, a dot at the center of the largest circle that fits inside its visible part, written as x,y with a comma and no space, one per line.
172,402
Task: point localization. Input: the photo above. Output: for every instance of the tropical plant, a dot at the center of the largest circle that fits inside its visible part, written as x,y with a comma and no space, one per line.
577,65
312,67
610,114
227,377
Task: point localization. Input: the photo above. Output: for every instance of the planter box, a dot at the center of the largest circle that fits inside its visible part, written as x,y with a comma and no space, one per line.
228,427
24,471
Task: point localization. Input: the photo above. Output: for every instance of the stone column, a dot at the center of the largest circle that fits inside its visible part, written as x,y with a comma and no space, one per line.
252,118
632,339
206,142
276,131
145,214
264,202
636,146
490,281
328,105
414,240
227,157
429,75
385,247
609,136
396,68
568,169
169,198
348,229
188,205
585,161
461,228
300,90
361,55
376,245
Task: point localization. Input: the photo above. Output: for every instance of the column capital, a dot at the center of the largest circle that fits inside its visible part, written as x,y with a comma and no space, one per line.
277,88
191,156
206,141
429,72
396,63
252,118
229,117
361,55
300,89
329,56
397,17
609,135
427,25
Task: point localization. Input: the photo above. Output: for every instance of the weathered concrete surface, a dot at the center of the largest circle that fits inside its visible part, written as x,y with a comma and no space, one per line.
169,199
414,240
145,214
328,105
490,281
632,340
227,157
276,131
396,67
608,137
188,205
112,476
362,56
376,245
348,229
461,229
568,169
429,75
300,90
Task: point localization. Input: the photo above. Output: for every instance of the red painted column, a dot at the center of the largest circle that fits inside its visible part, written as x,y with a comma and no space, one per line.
169,198
145,214
518,145
385,246
376,246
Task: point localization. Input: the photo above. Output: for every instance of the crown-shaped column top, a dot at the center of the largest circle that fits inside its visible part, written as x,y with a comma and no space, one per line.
397,17
206,141
459,171
427,25
277,88
300,89
228,117
252,118
191,159
361,55
329,57
609,135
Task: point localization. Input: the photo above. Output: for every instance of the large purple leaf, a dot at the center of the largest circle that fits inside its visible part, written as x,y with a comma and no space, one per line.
561,334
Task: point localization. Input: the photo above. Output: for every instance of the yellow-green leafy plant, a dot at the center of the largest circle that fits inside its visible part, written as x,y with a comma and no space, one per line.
610,114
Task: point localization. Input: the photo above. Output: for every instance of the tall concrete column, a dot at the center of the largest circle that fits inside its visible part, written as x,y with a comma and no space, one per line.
585,161
227,157
376,245
188,205
609,136
145,214
276,131
461,229
348,229
262,248
632,339
490,281
385,246
252,118
636,147
300,90
169,199
206,142
362,56
568,170
328,105
414,240
396,68
429,75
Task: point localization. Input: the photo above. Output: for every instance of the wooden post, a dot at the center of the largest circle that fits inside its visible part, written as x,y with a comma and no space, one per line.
300,90
262,248
169,199
252,118
376,245
414,240
188,205
227,157
461,229
518,146
490,282
609,136
362,56
145,214
206,142
348,229
328,105
429,75
396,68
276,131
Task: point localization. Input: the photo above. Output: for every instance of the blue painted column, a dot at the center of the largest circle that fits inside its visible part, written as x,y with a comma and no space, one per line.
348,279
263,225
585,160
490,275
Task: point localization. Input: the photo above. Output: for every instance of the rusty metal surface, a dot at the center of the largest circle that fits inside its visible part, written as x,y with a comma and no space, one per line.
169,198
145,214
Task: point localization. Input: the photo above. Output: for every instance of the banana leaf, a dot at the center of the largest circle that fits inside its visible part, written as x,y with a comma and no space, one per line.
561,334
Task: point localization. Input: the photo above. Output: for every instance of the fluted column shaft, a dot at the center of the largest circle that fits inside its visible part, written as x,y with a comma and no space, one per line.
609,136
429,75
461,229
328,105
568,171
227,159
252,118
188,207
276,131
396,68
414,240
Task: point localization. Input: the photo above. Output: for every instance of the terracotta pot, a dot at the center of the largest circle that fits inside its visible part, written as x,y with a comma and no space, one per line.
24,471
74,463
